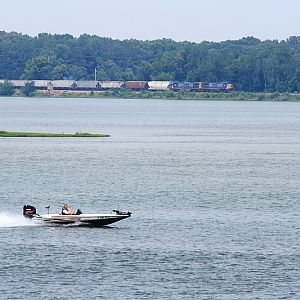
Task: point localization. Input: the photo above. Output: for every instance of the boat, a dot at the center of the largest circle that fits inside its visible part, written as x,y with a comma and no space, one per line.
92,220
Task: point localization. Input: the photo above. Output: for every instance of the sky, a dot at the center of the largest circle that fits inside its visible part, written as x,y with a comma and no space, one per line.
180,20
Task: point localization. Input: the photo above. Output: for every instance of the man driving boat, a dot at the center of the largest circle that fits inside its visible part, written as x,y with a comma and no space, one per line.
65,211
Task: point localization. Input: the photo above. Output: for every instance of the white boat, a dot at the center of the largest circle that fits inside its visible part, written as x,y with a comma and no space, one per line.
93,220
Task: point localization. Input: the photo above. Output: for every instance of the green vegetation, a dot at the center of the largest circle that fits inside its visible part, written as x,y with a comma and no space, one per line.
170,95
28,89
6,89
252,65
249,96
36,134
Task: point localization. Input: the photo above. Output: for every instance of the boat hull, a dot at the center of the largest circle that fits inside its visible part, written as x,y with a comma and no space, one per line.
92,220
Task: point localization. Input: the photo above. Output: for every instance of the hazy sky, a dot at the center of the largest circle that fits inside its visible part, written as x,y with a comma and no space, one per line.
192,20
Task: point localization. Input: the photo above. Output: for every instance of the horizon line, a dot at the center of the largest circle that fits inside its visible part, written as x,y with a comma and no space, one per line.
77,36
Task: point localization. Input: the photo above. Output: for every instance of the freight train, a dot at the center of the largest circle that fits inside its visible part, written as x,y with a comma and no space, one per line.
81,85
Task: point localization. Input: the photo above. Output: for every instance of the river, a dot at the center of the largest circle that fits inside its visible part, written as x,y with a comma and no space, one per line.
213,187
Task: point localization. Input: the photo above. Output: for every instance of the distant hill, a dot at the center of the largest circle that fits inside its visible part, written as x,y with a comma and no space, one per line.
251,64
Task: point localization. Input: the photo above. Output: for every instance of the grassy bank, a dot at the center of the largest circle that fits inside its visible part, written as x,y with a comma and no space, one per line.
170,95
37,134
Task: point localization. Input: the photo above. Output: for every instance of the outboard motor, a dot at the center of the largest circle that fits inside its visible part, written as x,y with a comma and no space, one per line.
29,211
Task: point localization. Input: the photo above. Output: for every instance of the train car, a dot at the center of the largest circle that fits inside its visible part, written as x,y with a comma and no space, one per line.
110,85
87,85
177,86
196,86
229,87
136,85
61,85
191,86
41,84
185,86
159,85
18,83
38,84
215,86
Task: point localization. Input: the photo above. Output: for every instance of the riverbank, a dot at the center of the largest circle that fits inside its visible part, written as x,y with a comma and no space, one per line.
171,95
40,134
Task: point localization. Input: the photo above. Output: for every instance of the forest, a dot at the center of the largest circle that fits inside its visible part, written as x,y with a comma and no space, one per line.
250,64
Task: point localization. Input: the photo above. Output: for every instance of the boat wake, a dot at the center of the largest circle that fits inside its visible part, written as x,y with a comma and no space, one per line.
12,220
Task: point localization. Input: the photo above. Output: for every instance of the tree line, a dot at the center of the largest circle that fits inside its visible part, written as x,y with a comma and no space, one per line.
250,64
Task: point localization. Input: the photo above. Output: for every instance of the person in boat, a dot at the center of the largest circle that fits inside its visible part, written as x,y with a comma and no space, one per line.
65,211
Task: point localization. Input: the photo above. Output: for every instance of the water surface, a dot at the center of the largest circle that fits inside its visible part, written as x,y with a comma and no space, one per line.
213,187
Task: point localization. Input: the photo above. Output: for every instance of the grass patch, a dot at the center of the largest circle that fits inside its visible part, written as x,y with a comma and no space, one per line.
38,134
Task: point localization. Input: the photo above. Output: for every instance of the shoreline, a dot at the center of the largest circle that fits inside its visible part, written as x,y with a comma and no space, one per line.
168,95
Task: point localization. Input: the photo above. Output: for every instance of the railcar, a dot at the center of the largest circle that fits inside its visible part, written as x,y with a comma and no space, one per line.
90,85
185,86
159,85
177,86
108,85
40,84
136,85
215,86
61,85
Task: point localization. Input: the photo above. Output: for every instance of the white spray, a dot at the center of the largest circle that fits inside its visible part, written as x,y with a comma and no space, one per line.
13,220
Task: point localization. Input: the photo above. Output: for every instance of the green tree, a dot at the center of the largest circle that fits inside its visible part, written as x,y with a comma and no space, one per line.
144,70
251,64
60,72
40,67
28,89
128,74
6,89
